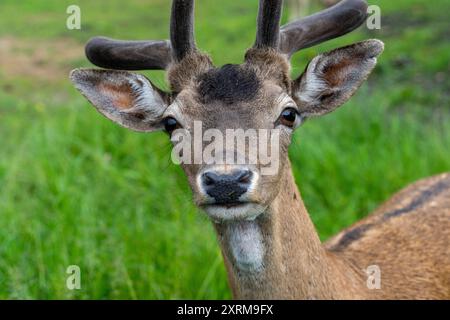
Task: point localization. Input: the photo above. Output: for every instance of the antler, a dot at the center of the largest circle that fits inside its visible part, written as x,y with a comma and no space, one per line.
150,54
128,55
182,28
331,23
268,24
328,24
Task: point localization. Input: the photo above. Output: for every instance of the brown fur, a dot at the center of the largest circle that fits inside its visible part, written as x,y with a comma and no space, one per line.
121,94
181,75
334,72
412,252
297,265
408,237
413,248
271,65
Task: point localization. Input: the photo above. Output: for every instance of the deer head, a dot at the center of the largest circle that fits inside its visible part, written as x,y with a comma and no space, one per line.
257,94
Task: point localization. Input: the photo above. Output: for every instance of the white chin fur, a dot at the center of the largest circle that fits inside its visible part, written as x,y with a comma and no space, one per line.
246,245
244,211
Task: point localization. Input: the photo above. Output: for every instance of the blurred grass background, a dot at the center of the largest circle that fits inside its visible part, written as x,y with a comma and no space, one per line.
76,189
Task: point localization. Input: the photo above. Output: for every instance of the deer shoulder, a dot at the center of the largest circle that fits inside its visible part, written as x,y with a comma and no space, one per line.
407,237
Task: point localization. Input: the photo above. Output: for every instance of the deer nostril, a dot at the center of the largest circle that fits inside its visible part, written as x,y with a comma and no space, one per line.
245,176
208,179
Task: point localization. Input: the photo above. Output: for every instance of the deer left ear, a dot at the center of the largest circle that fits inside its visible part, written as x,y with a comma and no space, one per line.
330,79
126,98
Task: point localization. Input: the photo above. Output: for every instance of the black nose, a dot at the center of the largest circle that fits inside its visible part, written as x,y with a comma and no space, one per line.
226,188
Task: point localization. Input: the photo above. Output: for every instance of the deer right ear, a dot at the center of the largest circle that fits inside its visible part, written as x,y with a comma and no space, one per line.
332,78
126,98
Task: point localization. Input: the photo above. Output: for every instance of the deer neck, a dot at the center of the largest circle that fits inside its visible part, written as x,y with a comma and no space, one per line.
279,254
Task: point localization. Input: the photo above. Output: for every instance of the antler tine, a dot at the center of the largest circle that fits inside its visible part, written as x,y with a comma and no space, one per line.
331,23
149,54
268,24
129,55
182,28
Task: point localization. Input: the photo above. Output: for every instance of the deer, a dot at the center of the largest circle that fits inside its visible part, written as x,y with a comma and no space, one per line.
270,247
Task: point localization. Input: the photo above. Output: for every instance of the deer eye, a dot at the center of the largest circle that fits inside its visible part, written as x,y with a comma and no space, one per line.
170,124
289,118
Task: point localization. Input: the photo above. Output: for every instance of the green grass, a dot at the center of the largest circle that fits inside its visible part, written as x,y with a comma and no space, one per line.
76,189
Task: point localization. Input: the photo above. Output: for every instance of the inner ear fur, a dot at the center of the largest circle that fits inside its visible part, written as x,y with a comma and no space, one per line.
331,78
126,98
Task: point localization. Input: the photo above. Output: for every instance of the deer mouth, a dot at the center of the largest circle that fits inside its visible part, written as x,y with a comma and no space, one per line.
233,211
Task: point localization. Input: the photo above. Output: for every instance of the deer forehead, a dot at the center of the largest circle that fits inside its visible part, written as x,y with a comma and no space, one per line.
225,108
232,96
